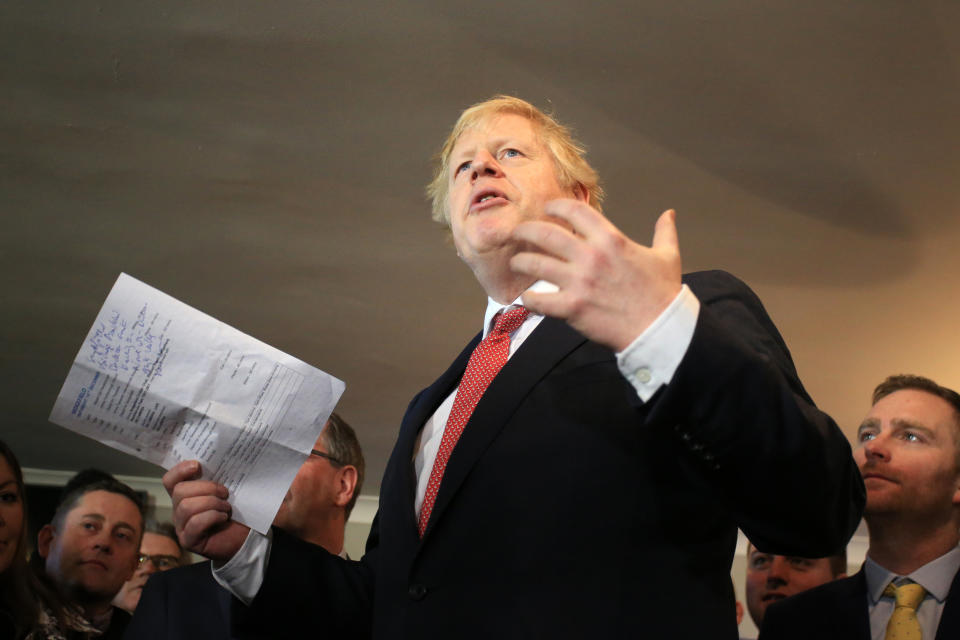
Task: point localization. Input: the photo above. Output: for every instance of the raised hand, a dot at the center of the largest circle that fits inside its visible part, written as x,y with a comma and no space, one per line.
201,513
610,287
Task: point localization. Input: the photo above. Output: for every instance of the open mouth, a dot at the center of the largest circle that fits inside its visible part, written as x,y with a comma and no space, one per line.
487,197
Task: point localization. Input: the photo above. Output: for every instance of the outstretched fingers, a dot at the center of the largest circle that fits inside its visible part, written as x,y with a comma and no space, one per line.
581,218
610,288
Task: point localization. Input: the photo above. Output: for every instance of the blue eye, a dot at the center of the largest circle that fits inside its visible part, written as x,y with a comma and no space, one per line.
511,153
462,167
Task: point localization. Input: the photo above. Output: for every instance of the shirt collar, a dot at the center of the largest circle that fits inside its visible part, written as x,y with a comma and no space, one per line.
494,307
935,576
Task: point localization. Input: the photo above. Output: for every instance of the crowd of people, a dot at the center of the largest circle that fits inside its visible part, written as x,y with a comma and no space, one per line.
89,574
93,560
587,457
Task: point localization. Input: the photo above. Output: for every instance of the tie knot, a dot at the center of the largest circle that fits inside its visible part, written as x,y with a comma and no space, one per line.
508,321
908,595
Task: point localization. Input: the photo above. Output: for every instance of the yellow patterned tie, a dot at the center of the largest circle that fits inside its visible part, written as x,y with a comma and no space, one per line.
903,623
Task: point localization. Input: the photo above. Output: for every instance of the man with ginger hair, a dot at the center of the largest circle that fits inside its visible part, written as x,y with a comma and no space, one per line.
605,405
909,455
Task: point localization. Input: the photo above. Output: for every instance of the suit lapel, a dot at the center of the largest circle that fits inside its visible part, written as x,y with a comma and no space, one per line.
397,493
950,619
549,343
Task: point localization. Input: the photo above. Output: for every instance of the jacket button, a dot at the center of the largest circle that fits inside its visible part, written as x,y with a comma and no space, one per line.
417,592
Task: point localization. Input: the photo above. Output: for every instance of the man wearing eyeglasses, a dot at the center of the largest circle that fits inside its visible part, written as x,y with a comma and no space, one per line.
159,551
187,602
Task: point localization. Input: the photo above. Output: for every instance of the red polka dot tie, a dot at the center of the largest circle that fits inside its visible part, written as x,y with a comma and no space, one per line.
485,362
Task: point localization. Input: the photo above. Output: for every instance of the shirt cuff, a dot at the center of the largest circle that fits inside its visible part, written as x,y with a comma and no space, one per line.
242,575
650,361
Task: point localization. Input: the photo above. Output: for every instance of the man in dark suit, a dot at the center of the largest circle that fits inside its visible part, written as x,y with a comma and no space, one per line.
187,602
606,466
909,455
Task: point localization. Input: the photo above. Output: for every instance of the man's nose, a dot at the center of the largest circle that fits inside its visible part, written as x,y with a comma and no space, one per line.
484,164
876,448
103,542
779,571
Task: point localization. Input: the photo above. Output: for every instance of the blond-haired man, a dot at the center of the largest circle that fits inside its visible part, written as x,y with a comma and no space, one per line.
603,469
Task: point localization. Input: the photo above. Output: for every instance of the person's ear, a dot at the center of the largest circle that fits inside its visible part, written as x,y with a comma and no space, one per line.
580,193
45,539
347,483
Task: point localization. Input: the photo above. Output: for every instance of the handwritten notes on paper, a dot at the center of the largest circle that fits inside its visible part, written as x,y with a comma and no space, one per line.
162,381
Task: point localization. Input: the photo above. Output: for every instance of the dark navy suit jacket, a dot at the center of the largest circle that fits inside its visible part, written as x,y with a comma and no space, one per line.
839,610
572,509
181,604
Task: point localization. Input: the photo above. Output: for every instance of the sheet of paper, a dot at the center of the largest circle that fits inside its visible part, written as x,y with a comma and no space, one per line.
159,380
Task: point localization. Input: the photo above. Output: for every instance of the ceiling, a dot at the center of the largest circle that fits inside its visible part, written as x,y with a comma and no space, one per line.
265,163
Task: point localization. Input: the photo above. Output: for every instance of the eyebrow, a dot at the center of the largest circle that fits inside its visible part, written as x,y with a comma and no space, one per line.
101,518
11,481
903,423
899,423
95,516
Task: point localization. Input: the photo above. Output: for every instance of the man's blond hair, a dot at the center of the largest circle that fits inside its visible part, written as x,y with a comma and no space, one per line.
568,155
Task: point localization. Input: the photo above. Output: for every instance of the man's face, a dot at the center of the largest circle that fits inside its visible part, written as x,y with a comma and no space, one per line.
310,495
164,555
771,578
95,549
907,455
500,175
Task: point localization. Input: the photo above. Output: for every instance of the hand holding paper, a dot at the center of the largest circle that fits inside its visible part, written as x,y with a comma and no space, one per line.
164,382
201,513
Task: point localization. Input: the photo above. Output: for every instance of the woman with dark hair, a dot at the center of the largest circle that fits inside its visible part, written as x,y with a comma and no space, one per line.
29,609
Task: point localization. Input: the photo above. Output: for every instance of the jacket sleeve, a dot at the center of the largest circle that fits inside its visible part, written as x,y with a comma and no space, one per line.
739,408
306,591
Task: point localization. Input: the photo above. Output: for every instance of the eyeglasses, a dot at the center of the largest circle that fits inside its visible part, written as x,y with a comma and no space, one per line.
329,457
161,562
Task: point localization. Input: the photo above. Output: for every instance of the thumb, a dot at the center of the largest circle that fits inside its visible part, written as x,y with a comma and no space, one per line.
665,232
